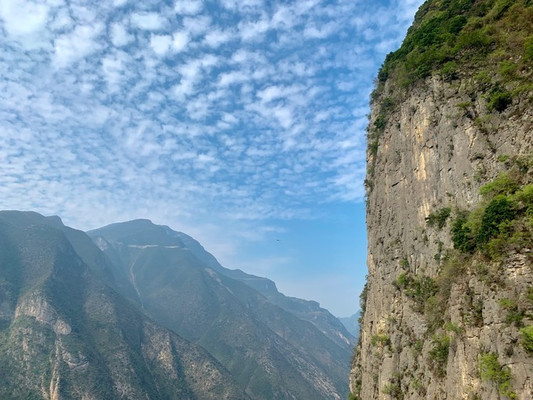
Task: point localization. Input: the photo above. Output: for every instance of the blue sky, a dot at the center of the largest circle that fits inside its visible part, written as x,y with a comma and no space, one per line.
240,123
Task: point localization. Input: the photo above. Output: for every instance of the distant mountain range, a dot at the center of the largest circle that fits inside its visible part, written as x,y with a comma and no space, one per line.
136,310
351,324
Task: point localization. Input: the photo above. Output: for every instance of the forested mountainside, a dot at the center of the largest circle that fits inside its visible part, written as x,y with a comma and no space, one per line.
448,305
276,347
65,333
152,316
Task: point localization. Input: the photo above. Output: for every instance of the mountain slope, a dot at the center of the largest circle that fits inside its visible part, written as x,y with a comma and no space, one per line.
270,351
448,306
306,310
352,323
64,334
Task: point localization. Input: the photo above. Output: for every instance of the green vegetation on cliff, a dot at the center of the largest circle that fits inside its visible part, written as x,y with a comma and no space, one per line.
501,225
504,220
485,238
490,369
449,35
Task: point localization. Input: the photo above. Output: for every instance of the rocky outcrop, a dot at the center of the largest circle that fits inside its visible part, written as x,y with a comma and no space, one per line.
443,320
36,306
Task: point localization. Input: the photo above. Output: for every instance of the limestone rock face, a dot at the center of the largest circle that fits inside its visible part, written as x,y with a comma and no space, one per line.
36,306
441,323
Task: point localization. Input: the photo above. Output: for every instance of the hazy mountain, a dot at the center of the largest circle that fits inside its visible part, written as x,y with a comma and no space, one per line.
303,309
275,346
75,320
351,323
65,332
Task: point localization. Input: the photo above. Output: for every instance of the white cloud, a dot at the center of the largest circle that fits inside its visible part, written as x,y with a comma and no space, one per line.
196,26
272,93
229,118
189,7
183,89
284,116
254,30
100,115
315,31
190,70
242,5
284,17
114,70
23,17
231,78
208,61
74,46
217,37
160,44
180,40
119,35
61,21
230,4
148,21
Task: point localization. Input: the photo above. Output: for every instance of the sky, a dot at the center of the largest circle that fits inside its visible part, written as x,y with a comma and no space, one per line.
239,122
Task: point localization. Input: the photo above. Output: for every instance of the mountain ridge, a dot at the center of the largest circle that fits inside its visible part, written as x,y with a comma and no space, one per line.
64,333
309,310
271,339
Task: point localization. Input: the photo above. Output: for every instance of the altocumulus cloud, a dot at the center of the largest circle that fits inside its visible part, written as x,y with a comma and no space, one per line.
250,110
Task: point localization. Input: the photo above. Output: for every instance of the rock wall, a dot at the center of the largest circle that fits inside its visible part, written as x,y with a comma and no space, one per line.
439,144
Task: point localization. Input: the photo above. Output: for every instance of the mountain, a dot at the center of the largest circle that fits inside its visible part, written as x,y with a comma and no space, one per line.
306,310
351,324
448,304
65,333
275,346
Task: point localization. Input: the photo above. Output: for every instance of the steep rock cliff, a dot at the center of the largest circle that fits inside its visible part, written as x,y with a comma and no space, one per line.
448,306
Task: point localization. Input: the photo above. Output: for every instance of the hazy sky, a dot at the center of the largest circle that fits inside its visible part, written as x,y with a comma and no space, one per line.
238,122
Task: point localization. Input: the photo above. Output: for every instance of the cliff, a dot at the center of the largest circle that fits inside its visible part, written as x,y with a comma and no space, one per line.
448,305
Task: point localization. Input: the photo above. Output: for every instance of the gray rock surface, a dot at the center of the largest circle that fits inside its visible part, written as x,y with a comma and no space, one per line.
439,146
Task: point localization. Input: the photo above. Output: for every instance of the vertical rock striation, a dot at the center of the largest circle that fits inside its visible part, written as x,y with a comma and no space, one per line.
448,306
